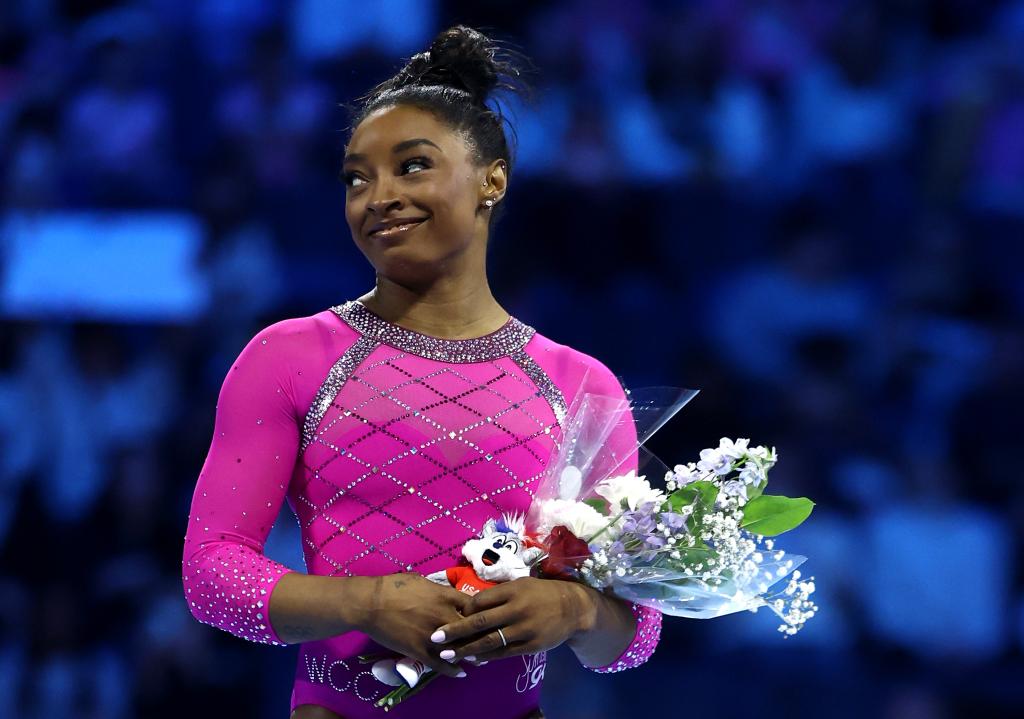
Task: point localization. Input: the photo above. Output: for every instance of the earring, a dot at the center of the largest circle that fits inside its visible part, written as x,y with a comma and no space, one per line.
489,203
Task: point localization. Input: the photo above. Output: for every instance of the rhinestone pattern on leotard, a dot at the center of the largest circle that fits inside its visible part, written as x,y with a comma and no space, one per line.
340,372
412,457
230,592
648,631
508,338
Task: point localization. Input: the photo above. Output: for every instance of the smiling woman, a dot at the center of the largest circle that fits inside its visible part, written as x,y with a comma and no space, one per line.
427,187
396,425
426,152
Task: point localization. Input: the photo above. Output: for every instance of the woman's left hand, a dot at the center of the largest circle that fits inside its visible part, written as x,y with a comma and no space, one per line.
533,614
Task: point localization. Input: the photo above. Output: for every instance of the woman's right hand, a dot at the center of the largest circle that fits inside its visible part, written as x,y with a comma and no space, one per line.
405,609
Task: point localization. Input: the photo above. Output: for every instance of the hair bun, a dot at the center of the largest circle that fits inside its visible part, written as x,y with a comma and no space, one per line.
459,57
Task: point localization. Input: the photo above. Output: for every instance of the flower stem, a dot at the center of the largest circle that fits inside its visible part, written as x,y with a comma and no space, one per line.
607,526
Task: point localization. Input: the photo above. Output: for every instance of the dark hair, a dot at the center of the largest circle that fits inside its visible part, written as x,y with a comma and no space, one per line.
454,79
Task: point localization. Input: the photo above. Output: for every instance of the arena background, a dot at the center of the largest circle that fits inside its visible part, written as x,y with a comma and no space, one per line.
811,210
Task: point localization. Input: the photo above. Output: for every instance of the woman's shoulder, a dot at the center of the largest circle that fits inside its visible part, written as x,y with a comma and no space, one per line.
572,368
304,337
319,326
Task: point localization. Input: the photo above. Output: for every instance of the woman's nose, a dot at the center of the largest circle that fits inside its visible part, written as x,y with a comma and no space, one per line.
383,205
383,198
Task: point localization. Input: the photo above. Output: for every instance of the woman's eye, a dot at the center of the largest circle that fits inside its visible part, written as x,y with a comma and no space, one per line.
351,178
422,162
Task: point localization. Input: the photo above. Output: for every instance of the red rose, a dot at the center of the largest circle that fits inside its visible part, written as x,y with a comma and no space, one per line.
566,553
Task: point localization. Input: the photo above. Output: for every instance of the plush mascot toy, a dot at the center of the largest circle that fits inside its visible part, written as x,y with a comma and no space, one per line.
502,553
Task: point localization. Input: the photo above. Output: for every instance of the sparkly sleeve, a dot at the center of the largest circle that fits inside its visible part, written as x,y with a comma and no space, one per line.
648,632
227,578
600,380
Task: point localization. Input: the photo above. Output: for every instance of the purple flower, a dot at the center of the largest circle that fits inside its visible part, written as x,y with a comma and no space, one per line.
637,523
673,520
648,507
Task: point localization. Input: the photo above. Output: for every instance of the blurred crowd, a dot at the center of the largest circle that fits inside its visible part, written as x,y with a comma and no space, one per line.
810,210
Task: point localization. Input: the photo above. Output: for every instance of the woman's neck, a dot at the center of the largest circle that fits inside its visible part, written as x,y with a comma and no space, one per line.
450,312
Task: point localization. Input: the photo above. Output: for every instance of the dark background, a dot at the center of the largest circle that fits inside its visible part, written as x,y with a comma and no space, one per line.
810,210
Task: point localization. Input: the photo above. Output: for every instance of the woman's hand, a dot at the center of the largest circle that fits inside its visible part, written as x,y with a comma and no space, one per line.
533,614
402,612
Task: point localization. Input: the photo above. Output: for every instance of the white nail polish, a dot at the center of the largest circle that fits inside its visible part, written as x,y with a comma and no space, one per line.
437,637
461,674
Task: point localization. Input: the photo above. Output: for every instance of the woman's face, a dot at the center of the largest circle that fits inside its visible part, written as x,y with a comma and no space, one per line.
413,194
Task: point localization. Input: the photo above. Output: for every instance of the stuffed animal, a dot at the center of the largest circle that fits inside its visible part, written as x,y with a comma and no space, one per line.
502,553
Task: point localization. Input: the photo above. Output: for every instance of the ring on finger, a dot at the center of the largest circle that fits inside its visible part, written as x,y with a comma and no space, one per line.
504,642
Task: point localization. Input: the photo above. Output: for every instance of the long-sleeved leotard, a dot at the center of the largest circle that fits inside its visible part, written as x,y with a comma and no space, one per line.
392,448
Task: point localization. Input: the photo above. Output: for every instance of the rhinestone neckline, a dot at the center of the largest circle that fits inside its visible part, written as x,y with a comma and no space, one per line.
510,337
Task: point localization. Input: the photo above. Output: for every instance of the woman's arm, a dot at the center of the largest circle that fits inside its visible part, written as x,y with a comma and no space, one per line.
305,607
615,634
227,579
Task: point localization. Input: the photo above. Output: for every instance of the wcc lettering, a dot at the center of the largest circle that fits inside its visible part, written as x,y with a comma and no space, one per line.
341,678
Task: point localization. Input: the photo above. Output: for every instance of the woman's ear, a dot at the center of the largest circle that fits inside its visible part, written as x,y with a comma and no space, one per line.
495,182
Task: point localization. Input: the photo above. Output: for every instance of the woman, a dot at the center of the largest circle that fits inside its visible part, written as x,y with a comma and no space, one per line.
396,425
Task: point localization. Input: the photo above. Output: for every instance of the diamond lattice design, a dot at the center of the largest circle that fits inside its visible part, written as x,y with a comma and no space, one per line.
413,456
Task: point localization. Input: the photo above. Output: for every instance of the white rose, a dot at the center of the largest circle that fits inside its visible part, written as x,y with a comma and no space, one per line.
630,488
581,519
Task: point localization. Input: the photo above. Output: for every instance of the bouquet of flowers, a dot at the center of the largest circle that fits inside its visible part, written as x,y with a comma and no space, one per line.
700,548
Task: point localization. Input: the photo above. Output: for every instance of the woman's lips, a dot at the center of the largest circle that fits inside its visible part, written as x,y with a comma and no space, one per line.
396,230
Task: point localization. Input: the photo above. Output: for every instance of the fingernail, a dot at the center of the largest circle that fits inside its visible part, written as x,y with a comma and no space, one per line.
468,659
448,654
461,673
483,662
437,637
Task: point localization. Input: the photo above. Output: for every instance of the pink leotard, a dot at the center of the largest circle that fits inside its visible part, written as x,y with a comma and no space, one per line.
392,448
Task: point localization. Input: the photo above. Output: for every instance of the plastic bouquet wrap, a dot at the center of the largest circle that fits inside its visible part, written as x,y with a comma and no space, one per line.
701,547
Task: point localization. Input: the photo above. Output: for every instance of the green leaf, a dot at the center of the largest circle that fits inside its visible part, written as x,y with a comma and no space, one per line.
680,498
708,493
705,492
771,515
598,503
